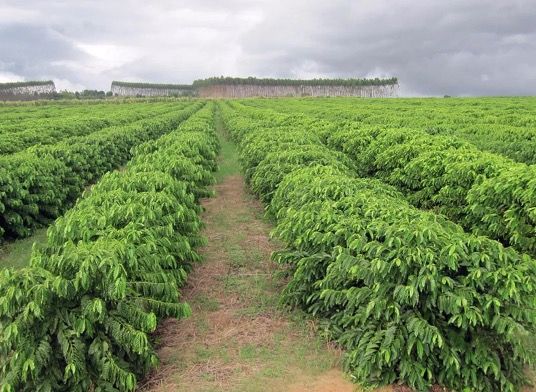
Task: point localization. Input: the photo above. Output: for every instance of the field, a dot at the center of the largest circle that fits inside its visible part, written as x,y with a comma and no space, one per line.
402,244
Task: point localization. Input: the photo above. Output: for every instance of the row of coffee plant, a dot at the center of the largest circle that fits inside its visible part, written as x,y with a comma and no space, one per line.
486,193
411,297
79,318
16,119
505,125
40,183
80,122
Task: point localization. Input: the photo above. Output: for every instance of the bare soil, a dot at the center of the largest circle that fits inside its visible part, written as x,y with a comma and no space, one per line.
238,338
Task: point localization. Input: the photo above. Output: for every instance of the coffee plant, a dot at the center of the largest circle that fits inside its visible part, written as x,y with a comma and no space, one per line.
80,317
410,295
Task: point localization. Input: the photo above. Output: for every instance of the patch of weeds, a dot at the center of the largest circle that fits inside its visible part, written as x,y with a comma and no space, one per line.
202,324
225,356
243,217
206,303
17,254
236,256
248,352
176,358
237,238
219,221
264,291
231,282
203,353
256,257
207,377
274,371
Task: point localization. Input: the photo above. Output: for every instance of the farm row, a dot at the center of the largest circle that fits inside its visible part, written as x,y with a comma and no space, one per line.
78,318
414,247
411,296
18,118
486,193
40,183
505,126
78,121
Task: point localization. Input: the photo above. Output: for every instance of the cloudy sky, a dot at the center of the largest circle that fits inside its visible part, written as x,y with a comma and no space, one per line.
434,47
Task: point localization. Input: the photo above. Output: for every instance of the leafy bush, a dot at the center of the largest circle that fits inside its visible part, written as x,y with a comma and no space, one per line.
407,293
79,318
412,297
426,148
45,181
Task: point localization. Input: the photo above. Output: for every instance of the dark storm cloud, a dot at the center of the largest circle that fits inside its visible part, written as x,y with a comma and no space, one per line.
434,48
22,45
472,47
89,43
38,53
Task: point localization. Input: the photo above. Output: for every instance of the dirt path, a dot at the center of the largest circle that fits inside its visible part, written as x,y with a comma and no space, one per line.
237,338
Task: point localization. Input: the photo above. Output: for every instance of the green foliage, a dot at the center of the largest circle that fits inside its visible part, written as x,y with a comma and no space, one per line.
153,85
79,317
44,181
20,132
503,125
292,82
411,296
405,289
26,84
446,175
484,192
33,192
279,162
504,207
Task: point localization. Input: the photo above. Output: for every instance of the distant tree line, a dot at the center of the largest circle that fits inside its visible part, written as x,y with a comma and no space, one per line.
153,85
31,90
7,92
292,82
261,82
4,86
38,89
85,94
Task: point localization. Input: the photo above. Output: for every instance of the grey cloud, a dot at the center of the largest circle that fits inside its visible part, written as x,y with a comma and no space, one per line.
25,42
471,47
37,52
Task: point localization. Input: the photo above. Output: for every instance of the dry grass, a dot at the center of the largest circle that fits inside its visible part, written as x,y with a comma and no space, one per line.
238,338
